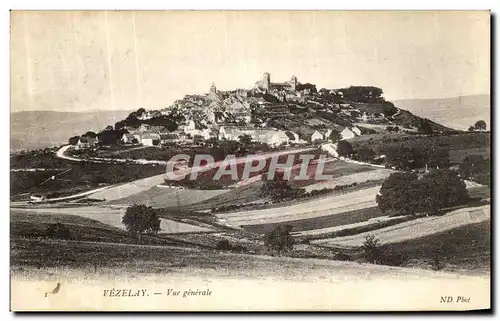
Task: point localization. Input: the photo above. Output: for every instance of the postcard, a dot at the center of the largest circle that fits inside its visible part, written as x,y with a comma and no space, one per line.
250,161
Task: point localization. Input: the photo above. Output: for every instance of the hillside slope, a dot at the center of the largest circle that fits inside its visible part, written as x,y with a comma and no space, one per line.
457,112
40,129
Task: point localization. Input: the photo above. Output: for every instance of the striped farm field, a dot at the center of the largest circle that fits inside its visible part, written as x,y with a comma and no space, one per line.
335,167
416,228
160,197
111,217
374,174
326,206
311,225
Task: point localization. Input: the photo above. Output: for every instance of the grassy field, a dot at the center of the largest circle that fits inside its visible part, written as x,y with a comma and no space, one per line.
337,169
457,156
26,225
466,141
80,177
313,208
321,222
466,247
368,176
419,227
480,192
159,197
239,195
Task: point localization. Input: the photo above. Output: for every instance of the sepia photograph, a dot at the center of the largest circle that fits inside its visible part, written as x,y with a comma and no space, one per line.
250,160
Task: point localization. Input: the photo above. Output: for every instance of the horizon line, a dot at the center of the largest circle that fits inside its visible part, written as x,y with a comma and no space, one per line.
133,109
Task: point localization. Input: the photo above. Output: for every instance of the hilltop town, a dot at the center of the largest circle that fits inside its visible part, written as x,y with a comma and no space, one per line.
272,113
399,184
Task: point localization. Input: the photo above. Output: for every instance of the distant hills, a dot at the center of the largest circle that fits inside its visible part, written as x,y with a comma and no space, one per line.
457,112
40,129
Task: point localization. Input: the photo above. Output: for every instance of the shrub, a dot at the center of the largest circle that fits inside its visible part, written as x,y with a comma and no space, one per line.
223,245
58,231
371,249
343,257
279,239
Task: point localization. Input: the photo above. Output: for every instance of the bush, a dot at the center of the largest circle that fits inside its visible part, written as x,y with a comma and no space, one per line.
392,258
371,249
223,245
279,239
58,231
342,257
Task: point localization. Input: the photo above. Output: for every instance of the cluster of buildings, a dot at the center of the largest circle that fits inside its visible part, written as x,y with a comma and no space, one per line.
227,115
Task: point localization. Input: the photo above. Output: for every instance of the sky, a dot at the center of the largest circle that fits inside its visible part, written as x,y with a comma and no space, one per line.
123,60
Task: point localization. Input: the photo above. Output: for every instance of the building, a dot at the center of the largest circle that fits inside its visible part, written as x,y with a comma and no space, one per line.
356,130
266,84
213,89
348,133
292,137
86,142
150,139
232,132
129,139
148,115
169,138
272,138
316,136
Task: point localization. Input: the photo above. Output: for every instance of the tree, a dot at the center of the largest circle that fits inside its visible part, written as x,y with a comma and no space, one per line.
367,94
480,125
396,193
279,239
74,140
476,168
335,135
344,148
198,139
388,109
245,139
471,128
307,86
409,194
58,230
371,249
425,126
140,219
140,111
223,245
439,189
90,134
278,189
365,154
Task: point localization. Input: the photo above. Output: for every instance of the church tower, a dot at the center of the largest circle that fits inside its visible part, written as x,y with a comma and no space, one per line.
293,83
213,89
266,81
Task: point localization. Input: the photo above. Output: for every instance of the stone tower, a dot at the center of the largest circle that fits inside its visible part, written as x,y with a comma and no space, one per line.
266,81
293,83
213,89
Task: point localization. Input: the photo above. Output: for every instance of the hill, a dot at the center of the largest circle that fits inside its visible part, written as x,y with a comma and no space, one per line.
300,108
40,129
457,112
